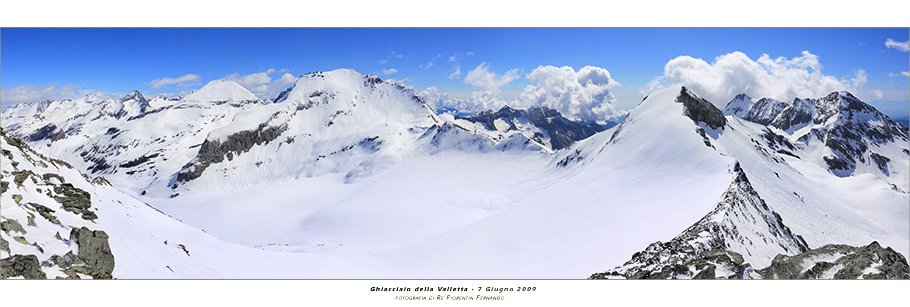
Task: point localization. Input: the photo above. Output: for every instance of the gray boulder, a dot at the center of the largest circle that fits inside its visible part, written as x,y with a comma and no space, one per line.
94,249
21,265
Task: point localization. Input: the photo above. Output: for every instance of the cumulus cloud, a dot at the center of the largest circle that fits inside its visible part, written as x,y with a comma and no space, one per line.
464,103
254,79
734,73
900,46
903,73
581,95
389,71
184,80
271,90
482,77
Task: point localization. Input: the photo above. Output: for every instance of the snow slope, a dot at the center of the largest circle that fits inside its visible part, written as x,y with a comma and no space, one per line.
348,176
486,214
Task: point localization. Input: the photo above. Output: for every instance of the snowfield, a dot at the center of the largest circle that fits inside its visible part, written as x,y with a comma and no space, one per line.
348,176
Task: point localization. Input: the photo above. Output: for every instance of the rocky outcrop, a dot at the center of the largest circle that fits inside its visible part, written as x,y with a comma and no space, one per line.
26,266
75,200
215,151
94,250
701,110
835,261
11,225
741,227
48,132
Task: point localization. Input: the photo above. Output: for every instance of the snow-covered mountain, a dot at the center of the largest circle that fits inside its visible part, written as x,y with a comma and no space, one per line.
838,131
223,136
359,178
59,223
777,203
546,126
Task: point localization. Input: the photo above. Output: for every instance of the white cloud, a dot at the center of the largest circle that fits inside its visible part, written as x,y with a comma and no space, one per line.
465,102
579,95
432,61
251,80
456,73
271,90
184,80
906,73
900,46
389,71
458,56
879,94
456,66
32,93
27,93
392,55
482,77
261,84
583,95
734,73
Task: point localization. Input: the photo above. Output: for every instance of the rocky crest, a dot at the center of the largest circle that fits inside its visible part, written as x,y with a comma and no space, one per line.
851,129
700,110
741,227
836,261
44,201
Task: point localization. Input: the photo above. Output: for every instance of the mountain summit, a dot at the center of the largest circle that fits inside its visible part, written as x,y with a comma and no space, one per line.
220,92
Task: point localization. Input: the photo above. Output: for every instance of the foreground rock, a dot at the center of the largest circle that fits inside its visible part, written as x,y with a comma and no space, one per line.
835,261
94,251
26,266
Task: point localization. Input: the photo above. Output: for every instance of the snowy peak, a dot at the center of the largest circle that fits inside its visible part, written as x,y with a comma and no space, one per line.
558,131
327,122
738,106
742,226
135,102
221,92
838,131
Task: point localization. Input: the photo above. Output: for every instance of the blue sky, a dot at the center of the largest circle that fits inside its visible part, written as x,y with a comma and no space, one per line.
49,63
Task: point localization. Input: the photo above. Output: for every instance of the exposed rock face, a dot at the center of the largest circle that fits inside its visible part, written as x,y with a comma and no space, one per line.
11,225
26,266
562,131
4,245
94,250
48,132
75,200
742,225
840,262
215,151
701,110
